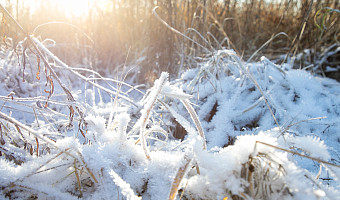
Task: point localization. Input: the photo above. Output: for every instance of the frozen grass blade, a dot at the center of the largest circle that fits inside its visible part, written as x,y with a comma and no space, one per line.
180,119
87,169
151,99
179,176
124,186
78,178
197,122
156,129
144,144
41,166
179,94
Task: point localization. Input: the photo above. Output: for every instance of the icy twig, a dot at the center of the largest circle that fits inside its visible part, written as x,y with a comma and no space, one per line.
306,120
299,154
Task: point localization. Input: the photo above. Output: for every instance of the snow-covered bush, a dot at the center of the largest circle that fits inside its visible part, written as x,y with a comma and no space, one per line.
235,98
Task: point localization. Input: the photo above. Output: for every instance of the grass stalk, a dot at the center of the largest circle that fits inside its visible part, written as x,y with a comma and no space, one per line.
179,176
197,122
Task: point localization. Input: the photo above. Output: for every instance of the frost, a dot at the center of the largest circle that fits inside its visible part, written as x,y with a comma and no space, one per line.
252,131
312,146
174,92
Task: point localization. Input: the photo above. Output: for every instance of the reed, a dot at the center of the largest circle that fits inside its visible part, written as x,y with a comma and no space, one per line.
241,25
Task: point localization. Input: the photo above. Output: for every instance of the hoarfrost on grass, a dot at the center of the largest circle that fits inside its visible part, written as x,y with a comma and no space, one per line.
224,90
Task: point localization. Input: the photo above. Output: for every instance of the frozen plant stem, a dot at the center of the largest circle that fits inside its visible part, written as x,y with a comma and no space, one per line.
124,186
78,178
196,120
179,176
156,90
296,153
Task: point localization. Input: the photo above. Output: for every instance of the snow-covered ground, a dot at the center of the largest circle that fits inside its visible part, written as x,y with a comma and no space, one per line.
250,131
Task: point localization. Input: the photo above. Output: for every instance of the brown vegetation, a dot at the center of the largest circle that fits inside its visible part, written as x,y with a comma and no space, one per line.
124,31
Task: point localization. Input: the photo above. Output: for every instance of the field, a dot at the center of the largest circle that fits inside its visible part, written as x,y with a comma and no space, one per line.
187,100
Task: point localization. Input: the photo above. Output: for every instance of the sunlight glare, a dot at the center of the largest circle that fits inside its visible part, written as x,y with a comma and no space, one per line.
76,8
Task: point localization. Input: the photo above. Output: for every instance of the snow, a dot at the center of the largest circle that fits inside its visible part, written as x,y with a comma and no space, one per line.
254,131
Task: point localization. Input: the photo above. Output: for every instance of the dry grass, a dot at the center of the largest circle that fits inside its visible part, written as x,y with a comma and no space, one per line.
243,26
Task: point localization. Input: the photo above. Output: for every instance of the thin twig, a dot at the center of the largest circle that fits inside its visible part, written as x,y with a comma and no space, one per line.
295,153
